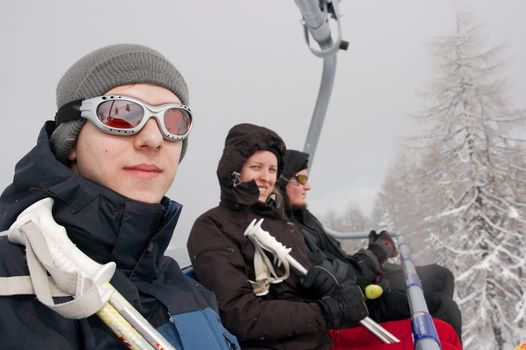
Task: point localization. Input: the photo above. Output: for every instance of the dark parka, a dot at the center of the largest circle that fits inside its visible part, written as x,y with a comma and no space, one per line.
223,258
437,281
363,266
106,226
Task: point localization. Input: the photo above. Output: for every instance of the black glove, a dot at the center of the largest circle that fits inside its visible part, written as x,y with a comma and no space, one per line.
382,245
345,307
324,278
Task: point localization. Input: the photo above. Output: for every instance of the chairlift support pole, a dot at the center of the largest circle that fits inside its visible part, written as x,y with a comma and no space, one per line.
316,23
316,15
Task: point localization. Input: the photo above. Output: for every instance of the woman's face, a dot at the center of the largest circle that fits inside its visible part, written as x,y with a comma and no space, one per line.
262,167
140,166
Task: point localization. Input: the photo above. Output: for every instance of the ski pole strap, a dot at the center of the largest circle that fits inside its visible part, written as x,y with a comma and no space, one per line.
84,305
40,262
49,250
265,273
261,237
22,285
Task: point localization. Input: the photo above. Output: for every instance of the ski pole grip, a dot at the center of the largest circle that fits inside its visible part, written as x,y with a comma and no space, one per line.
129,325
261,237
66,256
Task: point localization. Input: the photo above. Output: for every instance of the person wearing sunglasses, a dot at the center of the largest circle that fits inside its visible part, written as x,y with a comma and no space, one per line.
107,161
260,301
367,266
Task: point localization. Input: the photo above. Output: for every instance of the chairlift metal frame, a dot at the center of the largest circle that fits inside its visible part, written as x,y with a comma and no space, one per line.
317,15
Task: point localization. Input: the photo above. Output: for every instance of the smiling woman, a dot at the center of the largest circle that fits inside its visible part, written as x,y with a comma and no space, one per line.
251,295
262,167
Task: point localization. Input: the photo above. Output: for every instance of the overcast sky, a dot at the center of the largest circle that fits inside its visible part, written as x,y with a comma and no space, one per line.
246,61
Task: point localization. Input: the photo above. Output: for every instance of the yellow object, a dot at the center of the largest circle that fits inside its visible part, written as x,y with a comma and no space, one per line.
373,291
124,331
521,347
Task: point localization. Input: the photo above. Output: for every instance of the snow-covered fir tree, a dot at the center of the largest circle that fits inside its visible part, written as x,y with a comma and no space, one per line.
475,188
386,223
351,220
402,198
459,195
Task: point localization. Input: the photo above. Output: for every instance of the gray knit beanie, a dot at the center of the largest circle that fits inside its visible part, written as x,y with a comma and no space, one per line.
102,70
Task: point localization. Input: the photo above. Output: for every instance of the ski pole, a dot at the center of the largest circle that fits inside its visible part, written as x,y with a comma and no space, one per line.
382,333
138,322
36,229
258,236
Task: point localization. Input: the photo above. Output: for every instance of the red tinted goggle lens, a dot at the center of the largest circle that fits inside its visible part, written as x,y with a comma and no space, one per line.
126,114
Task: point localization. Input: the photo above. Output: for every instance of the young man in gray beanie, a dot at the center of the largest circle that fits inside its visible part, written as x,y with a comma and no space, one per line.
107,161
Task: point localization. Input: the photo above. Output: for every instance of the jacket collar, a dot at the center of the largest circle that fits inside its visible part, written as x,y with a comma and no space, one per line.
102,223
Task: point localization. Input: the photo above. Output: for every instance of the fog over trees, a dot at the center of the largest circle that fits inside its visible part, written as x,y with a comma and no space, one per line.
459,191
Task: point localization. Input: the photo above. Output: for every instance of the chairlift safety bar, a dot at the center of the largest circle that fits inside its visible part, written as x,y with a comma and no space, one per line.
424,331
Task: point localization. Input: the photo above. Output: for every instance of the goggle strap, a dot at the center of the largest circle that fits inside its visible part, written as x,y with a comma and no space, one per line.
68,112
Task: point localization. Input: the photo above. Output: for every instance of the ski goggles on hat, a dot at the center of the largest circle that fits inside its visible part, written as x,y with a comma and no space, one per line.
120,115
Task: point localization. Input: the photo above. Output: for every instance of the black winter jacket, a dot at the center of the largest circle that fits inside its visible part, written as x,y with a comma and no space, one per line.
437,281
223,258
107,227
363,265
